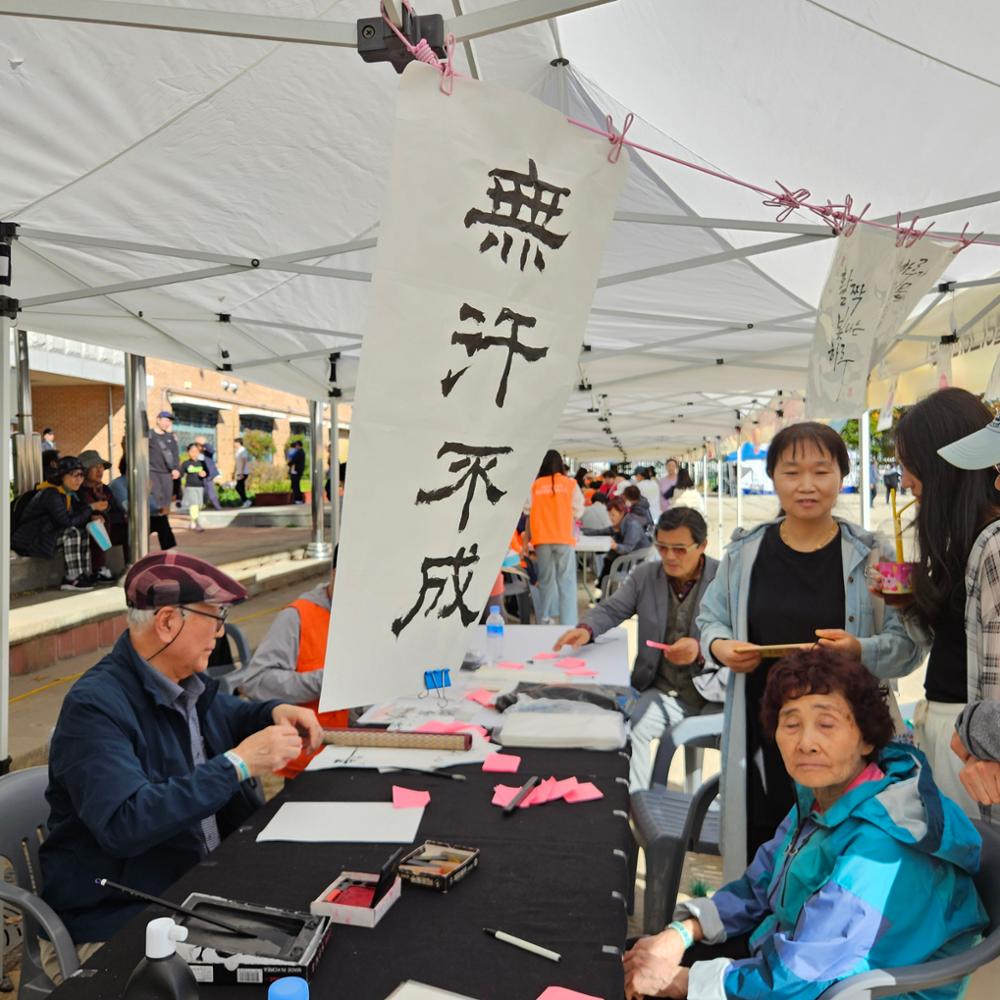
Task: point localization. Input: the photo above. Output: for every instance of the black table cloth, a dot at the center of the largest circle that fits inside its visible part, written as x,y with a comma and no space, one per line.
555,875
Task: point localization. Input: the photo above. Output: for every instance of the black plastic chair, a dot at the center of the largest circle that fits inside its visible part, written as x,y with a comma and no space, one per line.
914,978
24,815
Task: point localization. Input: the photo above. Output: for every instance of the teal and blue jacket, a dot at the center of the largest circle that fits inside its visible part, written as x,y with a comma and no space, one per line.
881,879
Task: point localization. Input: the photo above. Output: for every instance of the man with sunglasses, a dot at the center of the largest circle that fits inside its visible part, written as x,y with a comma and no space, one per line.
674,682
150,764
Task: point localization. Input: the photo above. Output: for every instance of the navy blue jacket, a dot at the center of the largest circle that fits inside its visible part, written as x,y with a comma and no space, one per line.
126,801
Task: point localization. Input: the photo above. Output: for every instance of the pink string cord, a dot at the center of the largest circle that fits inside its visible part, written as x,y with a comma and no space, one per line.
617,138
422,52
838,217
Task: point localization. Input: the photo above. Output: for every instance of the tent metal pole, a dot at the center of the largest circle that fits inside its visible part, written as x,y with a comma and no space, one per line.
6,326
739,477
718,461
28,459
318,547
865,439
514,14
295,328
335,506
701,222
704,476
137,455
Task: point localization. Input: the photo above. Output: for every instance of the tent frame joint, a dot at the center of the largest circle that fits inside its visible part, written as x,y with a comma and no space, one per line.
10,308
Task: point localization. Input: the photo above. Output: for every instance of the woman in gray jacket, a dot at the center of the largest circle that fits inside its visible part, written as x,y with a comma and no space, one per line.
798,580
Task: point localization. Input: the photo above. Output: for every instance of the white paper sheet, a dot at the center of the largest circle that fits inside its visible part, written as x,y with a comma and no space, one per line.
393,757
347,822
495,217
411,990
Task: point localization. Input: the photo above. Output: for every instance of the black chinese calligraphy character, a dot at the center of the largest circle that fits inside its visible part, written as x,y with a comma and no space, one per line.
473,470
539,203
908,271
449,571
475,342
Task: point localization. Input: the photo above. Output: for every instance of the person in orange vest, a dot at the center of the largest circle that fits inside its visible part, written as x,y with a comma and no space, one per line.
555,506
290,660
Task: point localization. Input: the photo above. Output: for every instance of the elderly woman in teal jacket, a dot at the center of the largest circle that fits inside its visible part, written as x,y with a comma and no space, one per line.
799,579
872,868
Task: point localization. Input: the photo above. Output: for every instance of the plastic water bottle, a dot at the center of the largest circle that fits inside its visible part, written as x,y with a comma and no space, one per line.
288,988
494,635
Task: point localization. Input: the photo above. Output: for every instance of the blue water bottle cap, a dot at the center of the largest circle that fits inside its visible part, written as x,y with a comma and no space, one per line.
288,988
494,609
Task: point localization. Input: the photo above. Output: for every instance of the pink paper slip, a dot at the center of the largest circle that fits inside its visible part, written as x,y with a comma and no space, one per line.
484,697
541,793
571,663
436,726
509,665
561,993
579,672
546,656
657,645
502,795
560,788
585,791
502,763
409,798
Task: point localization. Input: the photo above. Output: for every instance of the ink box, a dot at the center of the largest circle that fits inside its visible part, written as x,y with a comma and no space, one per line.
276,942
438,865
348,899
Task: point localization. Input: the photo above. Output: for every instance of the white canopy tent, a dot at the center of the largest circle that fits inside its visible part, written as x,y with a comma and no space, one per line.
203,183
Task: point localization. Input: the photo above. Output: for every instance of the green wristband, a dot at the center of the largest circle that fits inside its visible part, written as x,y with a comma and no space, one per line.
676,925
239,763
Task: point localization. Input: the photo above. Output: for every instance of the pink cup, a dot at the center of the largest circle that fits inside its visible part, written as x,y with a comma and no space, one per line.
897,578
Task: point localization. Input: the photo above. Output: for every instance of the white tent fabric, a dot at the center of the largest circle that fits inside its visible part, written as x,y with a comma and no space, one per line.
229,150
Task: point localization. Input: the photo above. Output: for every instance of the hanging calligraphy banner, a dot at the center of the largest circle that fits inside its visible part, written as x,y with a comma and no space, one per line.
872,288
495,220
914,272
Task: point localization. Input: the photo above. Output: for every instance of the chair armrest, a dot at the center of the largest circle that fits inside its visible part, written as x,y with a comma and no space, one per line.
697,727
703,798
48,920
911,978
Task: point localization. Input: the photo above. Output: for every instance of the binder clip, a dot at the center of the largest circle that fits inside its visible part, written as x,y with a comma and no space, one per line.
436,680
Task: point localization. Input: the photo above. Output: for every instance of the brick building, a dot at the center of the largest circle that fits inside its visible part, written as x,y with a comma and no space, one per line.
79,391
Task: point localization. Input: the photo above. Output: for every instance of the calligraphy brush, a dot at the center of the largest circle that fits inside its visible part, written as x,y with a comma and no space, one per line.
193,914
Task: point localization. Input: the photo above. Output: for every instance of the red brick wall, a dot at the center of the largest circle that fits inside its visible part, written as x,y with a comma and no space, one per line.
79,416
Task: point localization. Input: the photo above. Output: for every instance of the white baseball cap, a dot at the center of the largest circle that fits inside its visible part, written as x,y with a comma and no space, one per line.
975,451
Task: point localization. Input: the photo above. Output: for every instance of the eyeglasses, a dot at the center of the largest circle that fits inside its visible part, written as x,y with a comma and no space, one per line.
220,618
676,550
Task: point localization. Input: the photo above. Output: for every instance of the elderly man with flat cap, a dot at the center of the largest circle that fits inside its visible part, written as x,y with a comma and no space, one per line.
150,764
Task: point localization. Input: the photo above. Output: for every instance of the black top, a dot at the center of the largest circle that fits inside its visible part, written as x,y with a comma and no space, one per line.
192,469
794,593
945,679
164,452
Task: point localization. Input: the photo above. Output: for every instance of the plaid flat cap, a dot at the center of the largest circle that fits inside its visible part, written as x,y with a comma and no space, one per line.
171,578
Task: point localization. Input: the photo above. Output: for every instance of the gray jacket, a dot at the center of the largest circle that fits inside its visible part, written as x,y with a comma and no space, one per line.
272,672
645,592
978,727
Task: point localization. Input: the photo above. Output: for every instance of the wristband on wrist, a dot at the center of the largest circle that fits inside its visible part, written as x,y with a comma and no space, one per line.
242,769
676,925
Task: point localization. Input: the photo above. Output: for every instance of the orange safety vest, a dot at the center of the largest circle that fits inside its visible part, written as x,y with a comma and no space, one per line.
552,510
314,624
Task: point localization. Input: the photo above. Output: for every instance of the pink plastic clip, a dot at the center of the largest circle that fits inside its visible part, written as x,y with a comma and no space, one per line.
788,201
966,241
907,237
840,218
618,138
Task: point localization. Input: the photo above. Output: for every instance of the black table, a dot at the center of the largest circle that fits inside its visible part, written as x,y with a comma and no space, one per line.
555,875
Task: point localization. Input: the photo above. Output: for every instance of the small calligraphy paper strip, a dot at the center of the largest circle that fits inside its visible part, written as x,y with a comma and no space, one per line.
570,663
509,665
579,672
409,798
436,726
546,656
502,794
502,763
